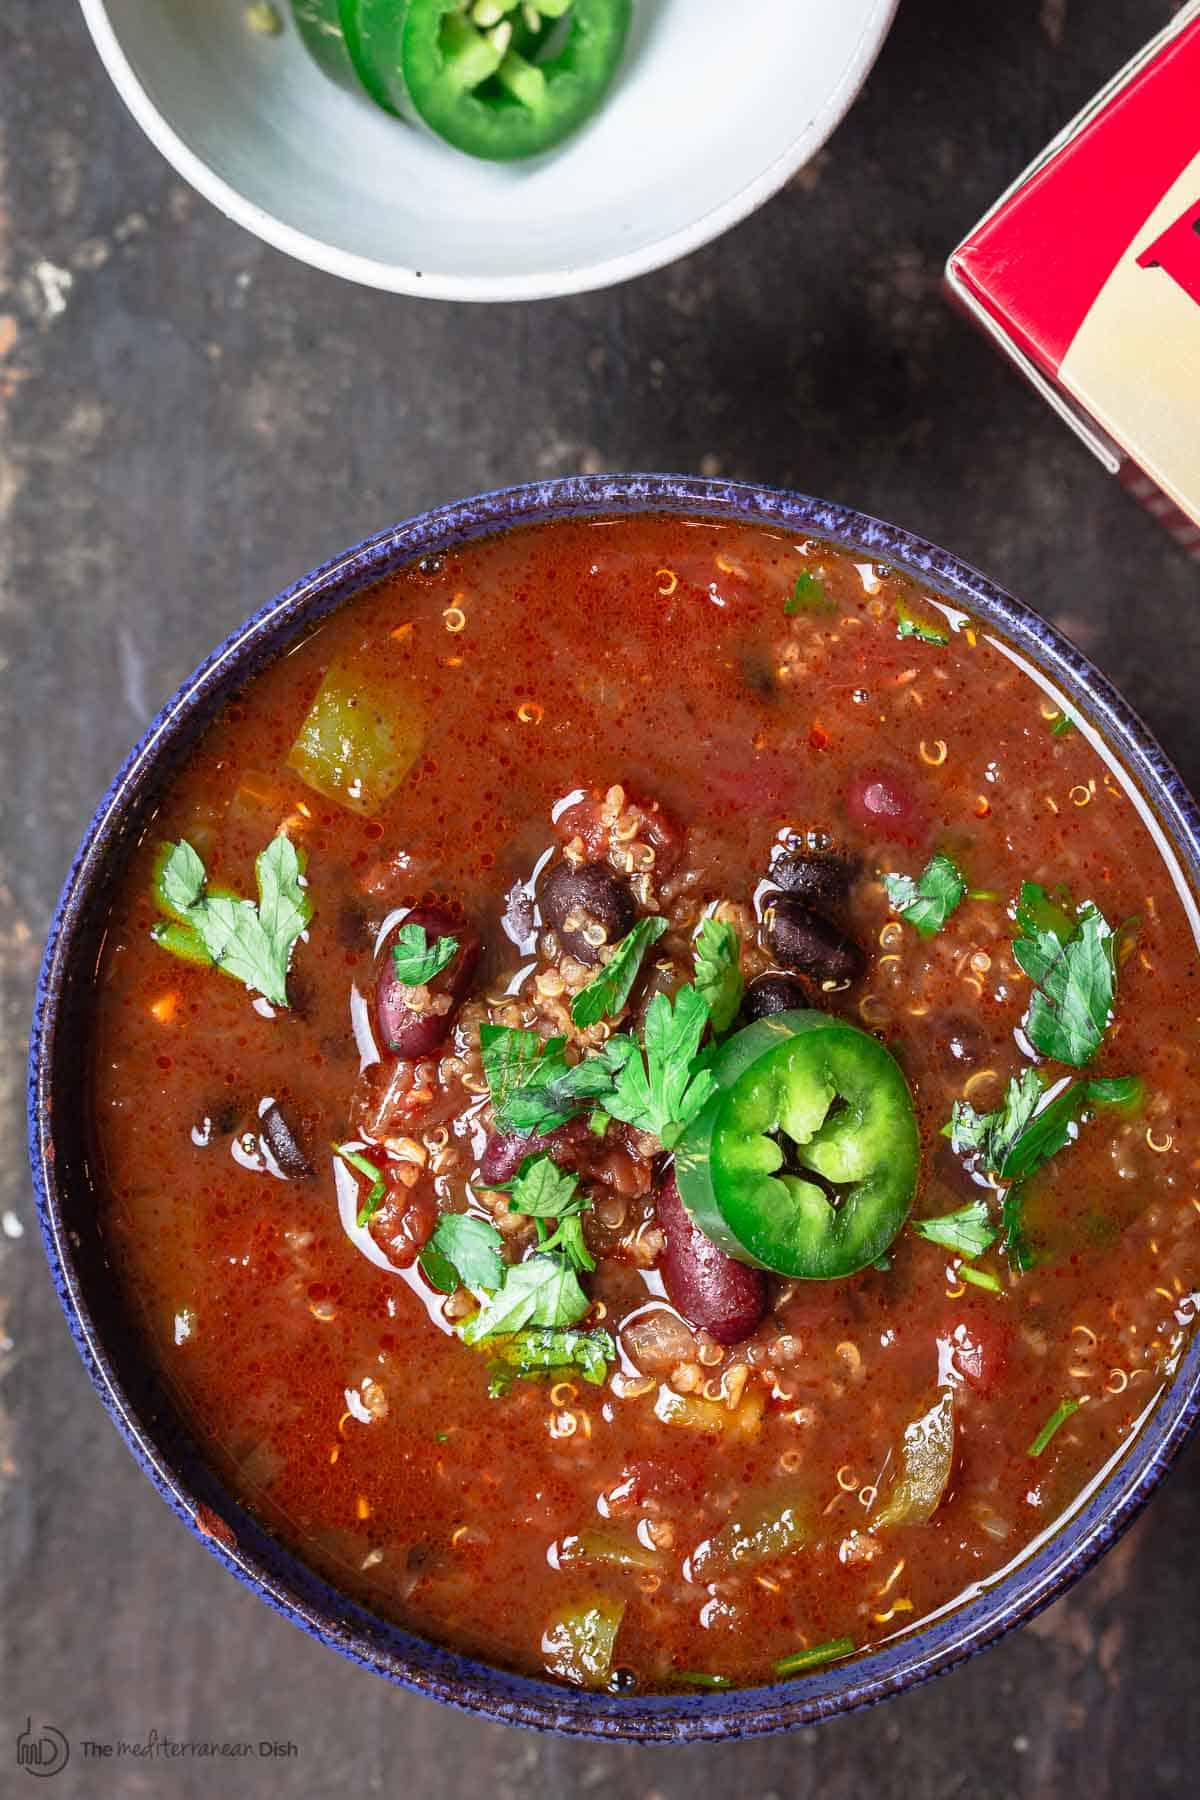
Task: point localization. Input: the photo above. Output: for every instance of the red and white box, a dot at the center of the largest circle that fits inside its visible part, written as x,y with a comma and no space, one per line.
1087,274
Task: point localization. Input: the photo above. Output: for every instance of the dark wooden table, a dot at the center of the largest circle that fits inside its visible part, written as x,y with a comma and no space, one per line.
187,422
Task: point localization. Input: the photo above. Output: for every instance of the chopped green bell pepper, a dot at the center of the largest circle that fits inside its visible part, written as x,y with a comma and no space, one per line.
806,1160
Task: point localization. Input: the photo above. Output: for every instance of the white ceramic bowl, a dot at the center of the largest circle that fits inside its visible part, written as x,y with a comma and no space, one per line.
716,105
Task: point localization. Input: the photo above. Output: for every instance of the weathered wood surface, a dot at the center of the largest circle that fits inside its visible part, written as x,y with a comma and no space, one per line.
187,421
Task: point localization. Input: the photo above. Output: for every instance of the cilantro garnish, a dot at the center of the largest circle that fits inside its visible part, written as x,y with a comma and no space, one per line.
660,1089
463,1251
927,902
416,959
1062,725
1059,1416
532,1351
969,1231
808,595
253,943
364,1166
604,997
909,626
719,972
542,1291
1072,962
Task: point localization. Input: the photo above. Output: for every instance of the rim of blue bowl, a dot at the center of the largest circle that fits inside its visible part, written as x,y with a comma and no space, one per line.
157,1437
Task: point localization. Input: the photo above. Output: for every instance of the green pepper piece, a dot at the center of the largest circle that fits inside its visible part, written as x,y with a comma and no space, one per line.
926,1458
802,1095
484,89
578,1643
359,740
757,1533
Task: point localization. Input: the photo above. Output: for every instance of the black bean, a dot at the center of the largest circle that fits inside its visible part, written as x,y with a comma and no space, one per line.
802,940
284,1144
819,880
589,896
772,994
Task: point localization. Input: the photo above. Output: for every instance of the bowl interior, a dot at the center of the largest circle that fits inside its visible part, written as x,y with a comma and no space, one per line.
109,1340
704,122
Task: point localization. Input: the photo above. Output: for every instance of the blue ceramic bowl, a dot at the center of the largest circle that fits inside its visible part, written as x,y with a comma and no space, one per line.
108,1341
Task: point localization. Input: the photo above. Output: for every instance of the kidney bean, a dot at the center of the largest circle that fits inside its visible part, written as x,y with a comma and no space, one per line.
404,1224
769,994
819,880
568,1145
284,1144
593,895
881,802
804,941
711,1290
404,1029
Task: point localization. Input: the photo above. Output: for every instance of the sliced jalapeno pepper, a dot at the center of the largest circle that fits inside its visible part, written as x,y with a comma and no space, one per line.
806,1160
331,33
464,71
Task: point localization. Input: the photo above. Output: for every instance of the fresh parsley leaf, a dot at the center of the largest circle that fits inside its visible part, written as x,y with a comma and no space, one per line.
660,1088
533,1351
719,972
1062,725
544,1191
509,1060
991,1136
927,902
532,1085
909,626
1073,964
969,1231
604,997
252,943
1017,1243
1051,1129
465,1249
542,1290
569,1240
808,595
1058,1417
1123,1091
378,1189
416,959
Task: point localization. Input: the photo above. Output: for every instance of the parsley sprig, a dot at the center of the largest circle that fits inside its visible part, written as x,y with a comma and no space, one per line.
533,1087
658,1086
416,960
969,1231
927,902
1072,962
251,942
1029,1127
808,595
604,997
719,972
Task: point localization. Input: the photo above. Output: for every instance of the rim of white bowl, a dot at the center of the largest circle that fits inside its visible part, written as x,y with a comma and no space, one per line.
397,278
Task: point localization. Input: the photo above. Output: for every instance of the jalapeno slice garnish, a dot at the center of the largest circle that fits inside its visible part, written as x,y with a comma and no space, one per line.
467,75
332,35
806,1160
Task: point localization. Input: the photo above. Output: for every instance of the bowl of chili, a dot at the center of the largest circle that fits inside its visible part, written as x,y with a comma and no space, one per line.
785,1193
390,142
